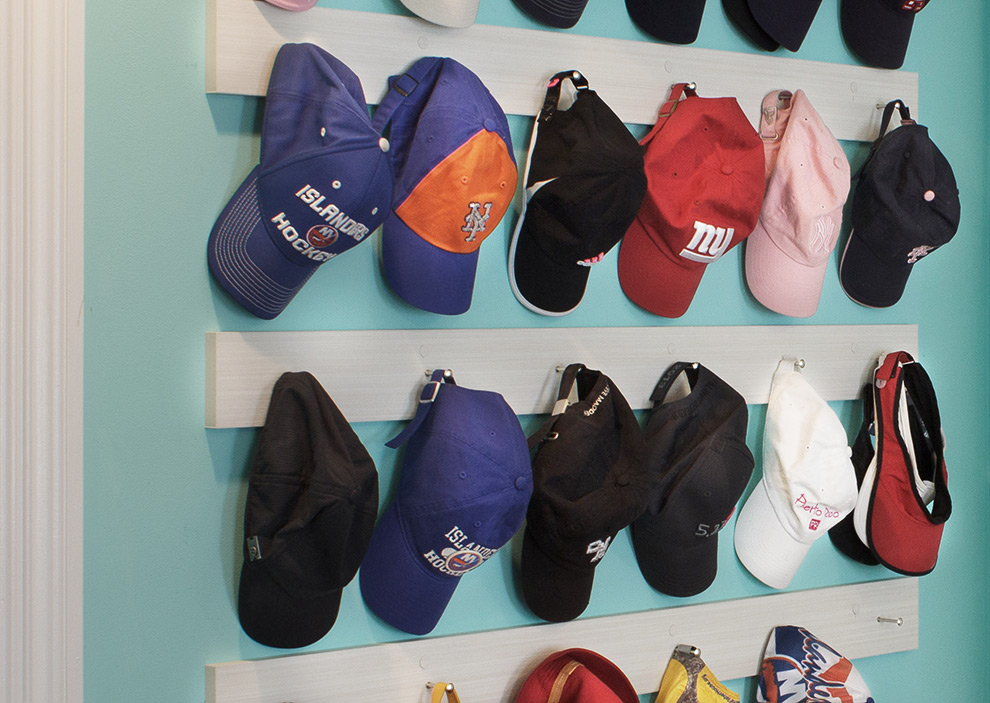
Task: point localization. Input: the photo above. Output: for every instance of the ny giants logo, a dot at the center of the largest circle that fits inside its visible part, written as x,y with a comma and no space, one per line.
592,261
919,253
598,549
914,5
708,243
475,221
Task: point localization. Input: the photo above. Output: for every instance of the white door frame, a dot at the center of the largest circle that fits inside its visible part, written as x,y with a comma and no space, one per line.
42,47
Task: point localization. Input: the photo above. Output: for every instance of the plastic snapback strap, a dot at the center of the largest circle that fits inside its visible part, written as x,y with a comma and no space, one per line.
426,398
677,91
772,102
567,380
552,98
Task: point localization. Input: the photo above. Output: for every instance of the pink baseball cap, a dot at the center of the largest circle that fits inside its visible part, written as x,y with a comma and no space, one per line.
293,5
807,185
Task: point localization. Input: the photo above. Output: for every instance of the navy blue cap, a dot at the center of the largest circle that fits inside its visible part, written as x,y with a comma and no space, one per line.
466,481
322,186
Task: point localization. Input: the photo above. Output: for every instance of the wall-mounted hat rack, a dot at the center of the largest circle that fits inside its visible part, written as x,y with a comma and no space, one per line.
858,620
377,374
633,77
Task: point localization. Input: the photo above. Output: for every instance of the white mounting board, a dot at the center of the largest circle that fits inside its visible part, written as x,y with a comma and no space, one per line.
387,368
489,667
633,77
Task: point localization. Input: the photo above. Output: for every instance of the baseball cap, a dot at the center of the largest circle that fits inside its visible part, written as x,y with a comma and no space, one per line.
698,465
589,482
739,13
584,183
704,168
311,505
687,679
562,14
674,21
293,5
905,206
449,13
907,472
455,176
797,666
808,482
577,676
807,185
322,185
465,483
878,31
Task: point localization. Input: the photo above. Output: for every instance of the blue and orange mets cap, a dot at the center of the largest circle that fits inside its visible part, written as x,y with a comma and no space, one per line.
465,484
455,177
322,186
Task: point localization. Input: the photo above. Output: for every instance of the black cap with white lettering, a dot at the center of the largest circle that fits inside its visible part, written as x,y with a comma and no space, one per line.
589,482
698,465
905,206
311,505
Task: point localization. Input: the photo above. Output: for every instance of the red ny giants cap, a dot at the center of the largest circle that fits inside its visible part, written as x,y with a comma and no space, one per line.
704,172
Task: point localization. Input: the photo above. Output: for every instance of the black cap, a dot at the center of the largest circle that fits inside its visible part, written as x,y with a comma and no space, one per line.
311,506
674,21
738,11
584,185
562,14
843,534
698,465
785,21
878,31
906,205
589,481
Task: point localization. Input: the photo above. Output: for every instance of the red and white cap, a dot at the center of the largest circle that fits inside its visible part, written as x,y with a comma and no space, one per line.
704,169
808,483
807,185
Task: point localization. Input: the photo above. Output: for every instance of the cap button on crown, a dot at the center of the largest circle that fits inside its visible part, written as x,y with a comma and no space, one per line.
929,195
489,124
727,169
837,161
383,144
521,483
622,480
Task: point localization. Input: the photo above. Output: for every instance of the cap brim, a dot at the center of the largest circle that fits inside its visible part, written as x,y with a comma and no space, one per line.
869,280
675,22
778,281
243,257
673,566
452,13
275,617
650,279
878,35
397,585
763,545
554,592
562,14
424,275
738,11
786,22
539,282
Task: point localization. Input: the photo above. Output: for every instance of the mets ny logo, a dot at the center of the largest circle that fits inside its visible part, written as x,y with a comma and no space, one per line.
476,220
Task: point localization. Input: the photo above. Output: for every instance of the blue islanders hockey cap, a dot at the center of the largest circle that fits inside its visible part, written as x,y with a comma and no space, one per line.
455,177
797,666
466,481
322,186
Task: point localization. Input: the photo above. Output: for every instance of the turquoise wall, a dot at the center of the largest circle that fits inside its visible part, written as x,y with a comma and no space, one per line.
164,497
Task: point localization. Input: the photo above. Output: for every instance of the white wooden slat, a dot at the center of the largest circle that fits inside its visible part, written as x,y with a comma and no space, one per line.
489,667
387,368
633,77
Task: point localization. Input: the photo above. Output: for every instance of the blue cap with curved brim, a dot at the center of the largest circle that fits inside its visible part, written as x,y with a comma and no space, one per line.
322,186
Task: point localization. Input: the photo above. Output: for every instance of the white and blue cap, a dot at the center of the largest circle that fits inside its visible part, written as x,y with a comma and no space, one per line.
465,484
322,186
799,667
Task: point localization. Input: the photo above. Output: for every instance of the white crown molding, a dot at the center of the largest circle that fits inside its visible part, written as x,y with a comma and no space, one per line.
41,350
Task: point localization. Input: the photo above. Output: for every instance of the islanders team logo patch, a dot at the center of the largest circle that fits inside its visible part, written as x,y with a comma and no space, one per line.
461,561
799,667
321,236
